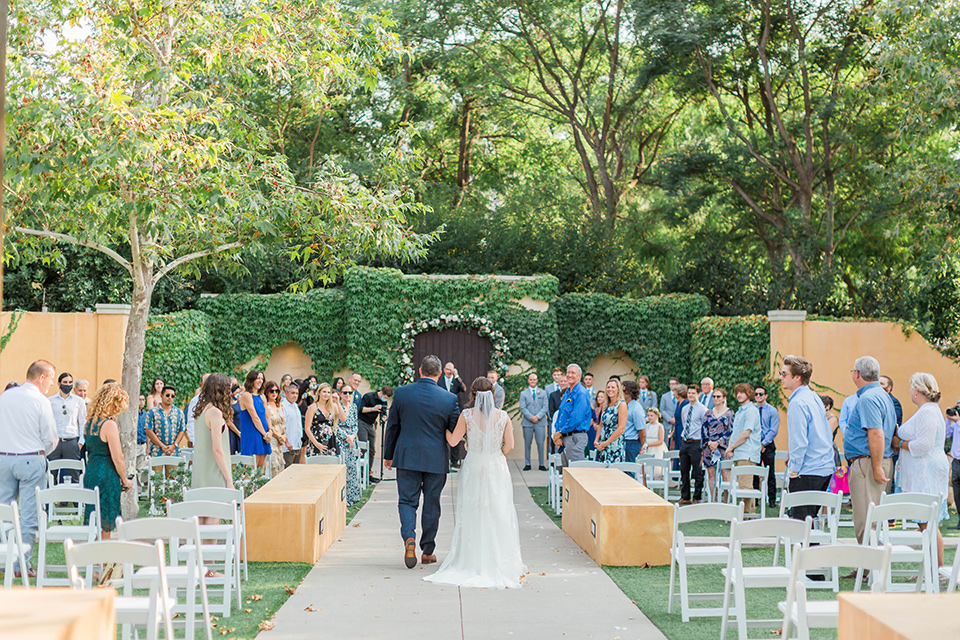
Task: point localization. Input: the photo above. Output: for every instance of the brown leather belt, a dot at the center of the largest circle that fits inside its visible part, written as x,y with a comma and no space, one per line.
30,453
855,458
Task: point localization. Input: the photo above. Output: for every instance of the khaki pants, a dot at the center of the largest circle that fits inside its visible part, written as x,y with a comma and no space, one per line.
864,490
746,482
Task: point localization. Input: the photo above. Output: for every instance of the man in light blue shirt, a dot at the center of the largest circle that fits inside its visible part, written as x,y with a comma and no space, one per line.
573,418
668,408
867,441
635,433
846,408
744,448
769,428
691,427
810,461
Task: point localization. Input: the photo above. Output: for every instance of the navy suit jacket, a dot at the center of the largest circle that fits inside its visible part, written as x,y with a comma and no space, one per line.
420,416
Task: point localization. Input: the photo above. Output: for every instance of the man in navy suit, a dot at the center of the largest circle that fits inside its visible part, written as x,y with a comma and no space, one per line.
416,444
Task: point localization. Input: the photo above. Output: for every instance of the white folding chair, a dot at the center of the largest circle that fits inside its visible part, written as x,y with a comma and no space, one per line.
682,556
719,484
909,546
245,461
952,573
670,456
555,482
159,462
737,577
185,571
658,475
133,610
54,467
634,468
802,615
12,548
220,548
187,454
363,464
825,526
222,494
588,464
910,496
760,495
324,459
782,478
80,532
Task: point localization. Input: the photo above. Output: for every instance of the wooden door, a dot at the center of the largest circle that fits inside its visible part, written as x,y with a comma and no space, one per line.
465,348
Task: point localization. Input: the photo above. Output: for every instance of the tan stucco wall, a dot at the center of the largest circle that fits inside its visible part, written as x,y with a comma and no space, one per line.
832,348
88,345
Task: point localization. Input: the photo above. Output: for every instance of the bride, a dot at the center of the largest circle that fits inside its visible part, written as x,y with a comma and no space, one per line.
486,538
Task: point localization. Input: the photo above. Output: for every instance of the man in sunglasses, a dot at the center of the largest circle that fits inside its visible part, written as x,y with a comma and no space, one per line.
70,414
769,428
166,426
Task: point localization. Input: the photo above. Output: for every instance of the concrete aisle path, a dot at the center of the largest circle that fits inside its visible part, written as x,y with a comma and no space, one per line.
361,589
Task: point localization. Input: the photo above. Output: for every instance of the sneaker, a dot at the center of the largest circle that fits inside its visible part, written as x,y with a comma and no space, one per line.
526,468
543,468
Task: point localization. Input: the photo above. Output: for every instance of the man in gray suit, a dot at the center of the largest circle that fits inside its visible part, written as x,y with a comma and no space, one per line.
533,408
498,393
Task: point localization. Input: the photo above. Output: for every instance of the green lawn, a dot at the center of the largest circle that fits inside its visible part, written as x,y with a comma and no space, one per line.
647,587
269,586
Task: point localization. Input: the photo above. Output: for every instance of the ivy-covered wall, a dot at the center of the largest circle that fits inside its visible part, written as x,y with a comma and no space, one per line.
732,350
177,350
654,332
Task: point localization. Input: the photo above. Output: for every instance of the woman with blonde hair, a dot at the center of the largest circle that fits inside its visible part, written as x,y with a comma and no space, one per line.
613,422
924,467
105,465
323,416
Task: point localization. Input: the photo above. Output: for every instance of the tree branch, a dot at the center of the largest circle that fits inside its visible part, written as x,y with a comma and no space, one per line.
46,233
194,256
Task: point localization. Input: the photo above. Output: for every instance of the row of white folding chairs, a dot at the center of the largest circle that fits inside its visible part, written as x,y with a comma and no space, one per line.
47,532
12,549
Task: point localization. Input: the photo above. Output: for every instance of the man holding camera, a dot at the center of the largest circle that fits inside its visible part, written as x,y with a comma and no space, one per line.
372,405
953,430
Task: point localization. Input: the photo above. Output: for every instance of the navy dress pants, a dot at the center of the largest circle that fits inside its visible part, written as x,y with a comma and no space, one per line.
410,485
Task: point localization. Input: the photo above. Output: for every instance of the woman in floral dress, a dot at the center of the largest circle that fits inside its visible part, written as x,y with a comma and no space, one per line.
347,442
323,417
717,427
613,422
276,422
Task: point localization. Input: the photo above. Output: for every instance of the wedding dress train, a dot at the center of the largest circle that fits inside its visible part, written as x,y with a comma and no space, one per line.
486,538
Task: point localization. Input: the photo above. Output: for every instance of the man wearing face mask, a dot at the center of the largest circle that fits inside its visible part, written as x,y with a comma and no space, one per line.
372,405
70,414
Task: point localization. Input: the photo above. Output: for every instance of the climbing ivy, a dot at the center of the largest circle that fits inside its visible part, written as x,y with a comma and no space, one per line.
177,350
654,332
732,350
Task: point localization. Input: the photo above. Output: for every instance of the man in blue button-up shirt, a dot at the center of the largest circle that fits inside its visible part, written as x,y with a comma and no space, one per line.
769,428
810,461
867,441
573,418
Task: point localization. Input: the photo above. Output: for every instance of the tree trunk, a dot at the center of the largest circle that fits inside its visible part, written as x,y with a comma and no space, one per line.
134,344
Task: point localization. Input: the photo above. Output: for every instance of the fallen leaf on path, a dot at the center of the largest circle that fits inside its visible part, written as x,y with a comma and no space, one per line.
266,625
309,607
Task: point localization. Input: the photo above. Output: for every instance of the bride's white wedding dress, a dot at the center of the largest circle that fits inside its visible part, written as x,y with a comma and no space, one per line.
486,537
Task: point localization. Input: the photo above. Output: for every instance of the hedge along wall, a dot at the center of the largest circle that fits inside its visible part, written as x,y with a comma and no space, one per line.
654,332
732,350
382,301
177,350
245,327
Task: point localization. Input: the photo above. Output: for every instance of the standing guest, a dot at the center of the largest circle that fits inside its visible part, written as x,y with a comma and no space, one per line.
347,443
647,397
557,374
717,427
635,434
676,436
234,419
254,430
285,382
952,431
308,391
668,406
924,467
810,462
886,382
156,390
323,417
141,463
293,420
598,403
839,482
277,424
769,428
338,383
70,412
573,418
355,380
613,423
28,433
533,411
105,465
166,426
372,406
846,408
81,387
553,407
706,392
211,464
744,447
867,441
588,385
655,443
498,394
191,409
451,382
692,414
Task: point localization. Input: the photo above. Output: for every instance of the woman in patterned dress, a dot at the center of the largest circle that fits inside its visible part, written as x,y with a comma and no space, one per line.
717,427
323,417
613,421
276,422
347,442
105,466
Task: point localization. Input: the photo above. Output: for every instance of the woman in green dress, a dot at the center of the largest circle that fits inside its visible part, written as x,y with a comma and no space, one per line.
105,465
211,445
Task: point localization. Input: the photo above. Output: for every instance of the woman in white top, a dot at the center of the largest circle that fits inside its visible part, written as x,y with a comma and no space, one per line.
924,467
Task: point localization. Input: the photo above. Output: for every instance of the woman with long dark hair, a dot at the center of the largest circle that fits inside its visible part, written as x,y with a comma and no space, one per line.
254,430
277,424
211,445
153,398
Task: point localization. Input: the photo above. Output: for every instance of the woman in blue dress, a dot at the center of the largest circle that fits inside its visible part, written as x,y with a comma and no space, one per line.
254,430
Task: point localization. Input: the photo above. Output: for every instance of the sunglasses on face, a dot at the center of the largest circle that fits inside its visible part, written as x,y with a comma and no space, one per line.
273,391
168,395
761,393
717,395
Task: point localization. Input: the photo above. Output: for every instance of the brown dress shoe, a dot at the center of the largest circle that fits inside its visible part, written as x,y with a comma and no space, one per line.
427,558
410,553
